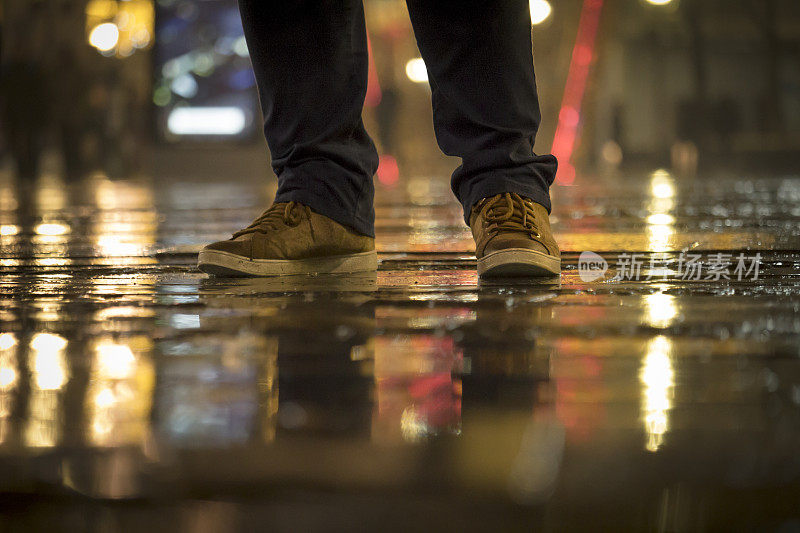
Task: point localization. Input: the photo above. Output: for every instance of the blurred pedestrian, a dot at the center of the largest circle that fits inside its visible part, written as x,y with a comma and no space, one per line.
24,114
24,106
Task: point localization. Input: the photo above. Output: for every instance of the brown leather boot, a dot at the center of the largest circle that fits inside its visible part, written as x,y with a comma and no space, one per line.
290,238
513,238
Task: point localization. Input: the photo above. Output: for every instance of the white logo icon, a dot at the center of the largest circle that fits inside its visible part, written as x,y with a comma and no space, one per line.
591,266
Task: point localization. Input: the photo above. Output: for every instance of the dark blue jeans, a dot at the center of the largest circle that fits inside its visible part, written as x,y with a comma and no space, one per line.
310,60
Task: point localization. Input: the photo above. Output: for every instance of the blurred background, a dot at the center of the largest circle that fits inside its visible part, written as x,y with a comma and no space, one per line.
165,87
670,404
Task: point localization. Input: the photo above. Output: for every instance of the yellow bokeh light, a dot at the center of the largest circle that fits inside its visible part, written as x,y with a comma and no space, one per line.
104,36
115,361
7,230
8,378
129,235
111,246
50,370
662,309
660,219
7,341
51,229
416,70
657,377
660,222
540,11
119,395
48,342
101,9
49,364
412,426
120,28
8,372
104,398
662,185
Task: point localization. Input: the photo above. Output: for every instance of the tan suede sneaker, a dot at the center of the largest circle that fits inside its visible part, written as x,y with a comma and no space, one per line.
513,238
290,238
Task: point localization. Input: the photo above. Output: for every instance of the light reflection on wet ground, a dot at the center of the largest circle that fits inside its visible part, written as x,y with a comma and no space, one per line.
417,396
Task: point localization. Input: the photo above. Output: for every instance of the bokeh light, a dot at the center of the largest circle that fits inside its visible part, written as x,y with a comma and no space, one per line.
416,70
657,377
104,36
540,11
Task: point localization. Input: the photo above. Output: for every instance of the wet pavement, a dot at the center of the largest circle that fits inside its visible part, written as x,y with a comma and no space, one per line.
664,395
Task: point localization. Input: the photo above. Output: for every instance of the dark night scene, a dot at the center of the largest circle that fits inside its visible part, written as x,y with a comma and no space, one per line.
399,265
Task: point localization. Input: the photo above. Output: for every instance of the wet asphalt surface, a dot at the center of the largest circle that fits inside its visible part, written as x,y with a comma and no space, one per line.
664,395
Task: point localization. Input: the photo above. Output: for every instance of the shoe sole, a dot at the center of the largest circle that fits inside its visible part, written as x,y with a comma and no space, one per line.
519,262
218,263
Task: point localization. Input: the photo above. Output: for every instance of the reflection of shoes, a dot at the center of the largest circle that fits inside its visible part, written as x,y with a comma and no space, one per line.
335,307
290,238
259,289
513,238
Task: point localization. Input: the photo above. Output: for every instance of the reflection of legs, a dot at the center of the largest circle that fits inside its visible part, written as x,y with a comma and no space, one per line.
485,106
310,59
337,404
323,386
506,364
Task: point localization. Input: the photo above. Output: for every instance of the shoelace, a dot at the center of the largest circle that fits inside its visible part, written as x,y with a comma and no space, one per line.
272,218
511,212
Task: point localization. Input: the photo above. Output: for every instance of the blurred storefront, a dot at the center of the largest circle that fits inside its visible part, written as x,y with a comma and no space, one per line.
711,77
109,83
81,70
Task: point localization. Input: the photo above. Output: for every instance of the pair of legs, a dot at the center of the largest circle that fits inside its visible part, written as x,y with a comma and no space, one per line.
310,60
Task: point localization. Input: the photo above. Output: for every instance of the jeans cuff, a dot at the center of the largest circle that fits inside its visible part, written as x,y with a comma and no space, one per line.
325,207
499,185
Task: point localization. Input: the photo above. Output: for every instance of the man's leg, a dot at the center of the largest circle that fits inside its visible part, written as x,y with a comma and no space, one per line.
310,60
485,105
486,111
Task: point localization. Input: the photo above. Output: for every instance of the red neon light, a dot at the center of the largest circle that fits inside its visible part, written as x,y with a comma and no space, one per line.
569,117
374,94
388,171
